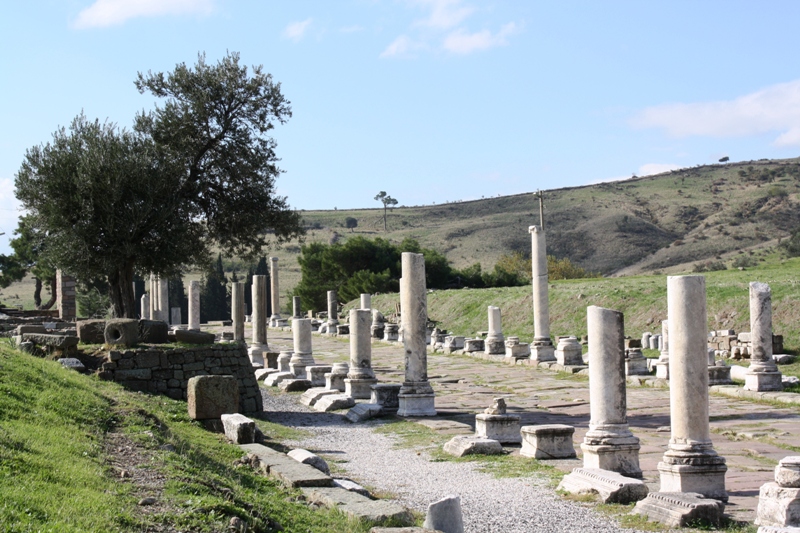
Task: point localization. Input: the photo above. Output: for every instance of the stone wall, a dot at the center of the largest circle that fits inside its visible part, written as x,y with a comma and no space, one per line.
168,371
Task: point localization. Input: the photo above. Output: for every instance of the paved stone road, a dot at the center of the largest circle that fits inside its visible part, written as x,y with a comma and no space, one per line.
751,436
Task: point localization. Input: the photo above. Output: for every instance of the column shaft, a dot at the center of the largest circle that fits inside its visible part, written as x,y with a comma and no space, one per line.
194,305
275,288
237,310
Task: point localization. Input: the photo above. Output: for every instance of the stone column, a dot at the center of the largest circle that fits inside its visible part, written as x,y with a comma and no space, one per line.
65,294
416,396
542,349
360,377
274,292
175,317
495,343
302,356
163,300
609,443
662,366
145,307
690,464
153,297
194,305
297,309
763,373
237,310
366,301
259,320
333,312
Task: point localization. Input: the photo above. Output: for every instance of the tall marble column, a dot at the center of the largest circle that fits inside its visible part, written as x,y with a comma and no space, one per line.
690,464
360,377
163,300
609,443
495,343
366,301
416,395
763,373
662,366
297,307
274,292
237,310
153,297
302,356
259,320
542,348
145,306
194,305
333,312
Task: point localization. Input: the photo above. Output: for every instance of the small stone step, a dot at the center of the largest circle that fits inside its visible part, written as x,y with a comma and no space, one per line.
294,385
358,506
312,396
334,402
285,469
363,411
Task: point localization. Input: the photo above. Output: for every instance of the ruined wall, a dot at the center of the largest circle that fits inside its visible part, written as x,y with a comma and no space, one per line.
168,371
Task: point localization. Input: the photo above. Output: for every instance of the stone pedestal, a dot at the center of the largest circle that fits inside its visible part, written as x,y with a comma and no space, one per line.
609,443
237,310
453,343
333,312
416,397
635,363
516,350
275,295
175,318
495,342
549,441
473,345
259,320
360,377
569,351
391,332
503,428
680,509
763,373
543,351
316,374
144,307
376,330
690,464
302,357
662,366
334,380
779,502
386,395
542,348
194,306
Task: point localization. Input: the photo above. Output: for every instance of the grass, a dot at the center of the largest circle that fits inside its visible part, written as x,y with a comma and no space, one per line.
56,474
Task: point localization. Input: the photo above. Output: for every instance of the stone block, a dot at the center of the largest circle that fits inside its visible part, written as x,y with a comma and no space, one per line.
462,445
569,351
403,530
212,396
744,336
263,373
122,331
680,509
91,331
783,358
238,428
311,396
194,337
351,486
359,507
274,379
362,412
286,470
719,375
316,373
73,364
502,428
475,345
548,441
385,395
445,515
294,385
611,487
311,459
787,473
60,342
153,332
773,529
334,402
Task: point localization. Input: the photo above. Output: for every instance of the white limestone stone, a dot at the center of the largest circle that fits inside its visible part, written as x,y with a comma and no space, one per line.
333,312
316,373
778,506
237,310
503,428
635,363
334,402
312,395
360,376
334,380
275,292
541,305
362,412
144,310
194,306
547,441
163,300
445,515
238,428
475,345
366,301
611,487
284,360
763,373
680,509
302,356
569,351
495,334
259,319
787,473
462,445
307,458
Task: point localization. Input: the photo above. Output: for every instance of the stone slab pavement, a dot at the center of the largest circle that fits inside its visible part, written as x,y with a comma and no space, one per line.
752,437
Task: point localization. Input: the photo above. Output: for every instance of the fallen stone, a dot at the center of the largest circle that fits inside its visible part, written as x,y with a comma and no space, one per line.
334,402
680,509
122,331
72,364
358,506
210,397
91,331
787,473
462,445
262,373
286,470
738,372
783,358
238,428
294,385
311,396
363,411
350,485
311,459
147,501
31,328
547,441
787,381
61,342
276,377
194,337
503,428
386,395
445,515
316,373
778,506
611,487
153,332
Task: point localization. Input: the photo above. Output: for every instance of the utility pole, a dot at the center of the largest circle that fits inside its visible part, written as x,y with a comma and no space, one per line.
540,195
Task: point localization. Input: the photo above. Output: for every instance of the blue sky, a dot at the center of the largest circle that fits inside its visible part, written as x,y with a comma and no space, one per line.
430,100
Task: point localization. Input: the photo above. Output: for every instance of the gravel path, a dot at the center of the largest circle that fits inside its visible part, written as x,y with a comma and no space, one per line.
509,505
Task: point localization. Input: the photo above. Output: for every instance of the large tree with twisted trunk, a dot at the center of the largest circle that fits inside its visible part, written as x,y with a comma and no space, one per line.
196,172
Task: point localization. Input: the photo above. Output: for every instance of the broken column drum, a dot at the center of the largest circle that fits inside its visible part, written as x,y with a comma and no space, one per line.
609,443
360,377
153,298
416,397
690,464
194,305
297,311
763,373
237,310
333,312
542,348
145,307
274,292
259,319
495,342
366,301
302,356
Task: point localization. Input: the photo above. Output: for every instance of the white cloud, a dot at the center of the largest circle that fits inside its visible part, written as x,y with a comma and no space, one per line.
774,108
401,46
461,42
296,30
105,13
444,14
649,169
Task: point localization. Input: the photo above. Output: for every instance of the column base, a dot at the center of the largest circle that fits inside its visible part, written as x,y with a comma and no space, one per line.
662,369
299,370
706,476
359,389
620,458
719,375
636,366
416,398
763,381
256,353
543,352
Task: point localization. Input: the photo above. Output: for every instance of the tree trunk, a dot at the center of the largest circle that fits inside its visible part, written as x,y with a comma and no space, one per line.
37,293
120,286
53,296
384,218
